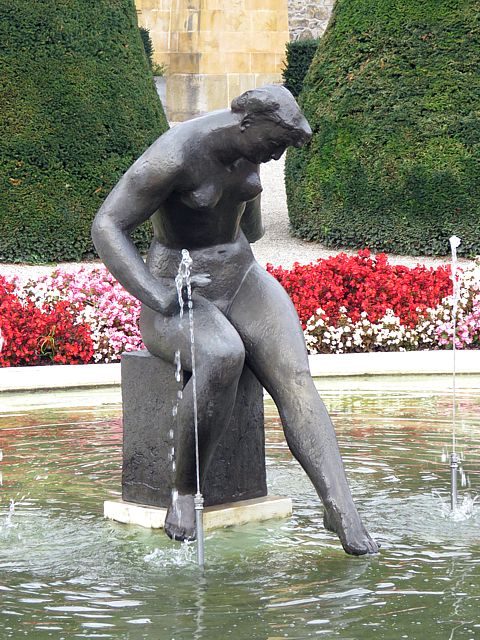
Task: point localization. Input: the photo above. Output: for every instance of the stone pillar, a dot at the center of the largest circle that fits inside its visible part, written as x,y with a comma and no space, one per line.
149,391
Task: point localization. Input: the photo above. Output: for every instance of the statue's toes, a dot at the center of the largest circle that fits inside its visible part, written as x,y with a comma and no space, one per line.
362,546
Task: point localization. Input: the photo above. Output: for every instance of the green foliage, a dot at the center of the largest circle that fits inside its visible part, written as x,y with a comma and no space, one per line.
78,105
393,98
299,54
147,44
159,69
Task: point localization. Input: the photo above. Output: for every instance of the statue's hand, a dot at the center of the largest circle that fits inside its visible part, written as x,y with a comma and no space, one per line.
164,297
200,280
168,296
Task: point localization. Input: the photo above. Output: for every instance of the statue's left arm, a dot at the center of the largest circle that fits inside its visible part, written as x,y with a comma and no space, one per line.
251,223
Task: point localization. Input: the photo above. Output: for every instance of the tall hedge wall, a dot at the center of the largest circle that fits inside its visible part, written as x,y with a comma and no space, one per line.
77,106
393,97
299,56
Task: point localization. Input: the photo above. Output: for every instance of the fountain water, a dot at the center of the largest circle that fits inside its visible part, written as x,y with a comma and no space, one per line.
64,566
454,457
178,378
184,284
11,511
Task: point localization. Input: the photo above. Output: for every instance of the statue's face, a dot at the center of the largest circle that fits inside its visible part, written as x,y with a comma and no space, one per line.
264,140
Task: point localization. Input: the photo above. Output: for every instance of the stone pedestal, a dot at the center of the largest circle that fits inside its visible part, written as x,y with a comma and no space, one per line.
149,392
225,515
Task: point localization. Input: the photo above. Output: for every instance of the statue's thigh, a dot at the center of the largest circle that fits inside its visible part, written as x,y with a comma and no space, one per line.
268,324
215,337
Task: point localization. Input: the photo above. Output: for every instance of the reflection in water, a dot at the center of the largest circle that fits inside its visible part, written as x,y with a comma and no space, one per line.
68,573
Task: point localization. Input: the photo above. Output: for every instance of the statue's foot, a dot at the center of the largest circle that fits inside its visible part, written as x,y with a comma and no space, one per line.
180,519
354,537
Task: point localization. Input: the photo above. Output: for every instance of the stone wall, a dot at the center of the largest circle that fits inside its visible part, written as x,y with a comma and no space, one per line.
215,49
157,16
308,19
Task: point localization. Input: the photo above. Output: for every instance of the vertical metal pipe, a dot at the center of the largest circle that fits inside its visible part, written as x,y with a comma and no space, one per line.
198,502
183,280
454,460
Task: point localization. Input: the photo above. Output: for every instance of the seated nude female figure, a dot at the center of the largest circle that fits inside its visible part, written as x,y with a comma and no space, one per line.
200,185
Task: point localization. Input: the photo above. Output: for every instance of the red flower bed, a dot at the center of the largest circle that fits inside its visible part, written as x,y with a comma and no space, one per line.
363,283
33,335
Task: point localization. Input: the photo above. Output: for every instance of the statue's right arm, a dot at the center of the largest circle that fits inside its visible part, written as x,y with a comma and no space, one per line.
131,202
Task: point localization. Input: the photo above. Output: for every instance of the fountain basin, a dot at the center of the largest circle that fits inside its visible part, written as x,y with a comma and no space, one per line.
69,573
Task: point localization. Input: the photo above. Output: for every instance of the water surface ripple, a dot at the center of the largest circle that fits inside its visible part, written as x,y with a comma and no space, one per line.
68,573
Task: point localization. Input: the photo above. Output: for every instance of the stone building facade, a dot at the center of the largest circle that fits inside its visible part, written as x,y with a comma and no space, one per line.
308,19
214,50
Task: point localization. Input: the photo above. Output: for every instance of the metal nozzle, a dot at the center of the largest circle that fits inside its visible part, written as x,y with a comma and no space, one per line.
454,460
198,504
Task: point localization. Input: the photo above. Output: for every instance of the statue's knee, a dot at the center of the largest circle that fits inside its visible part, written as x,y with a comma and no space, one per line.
231,361
226,363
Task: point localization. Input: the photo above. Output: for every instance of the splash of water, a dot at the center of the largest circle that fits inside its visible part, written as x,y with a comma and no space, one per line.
179,557
11,511
466,507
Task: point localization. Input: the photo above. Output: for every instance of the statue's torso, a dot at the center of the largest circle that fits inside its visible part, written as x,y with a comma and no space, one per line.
204,217
207,208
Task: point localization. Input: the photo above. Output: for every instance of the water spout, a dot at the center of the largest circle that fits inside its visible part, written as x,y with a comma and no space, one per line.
183,282
454,459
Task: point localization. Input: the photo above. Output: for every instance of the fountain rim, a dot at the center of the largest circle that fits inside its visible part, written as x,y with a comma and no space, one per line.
380,363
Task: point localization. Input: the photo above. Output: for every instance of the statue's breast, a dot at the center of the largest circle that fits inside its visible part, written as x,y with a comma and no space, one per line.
237,186
205,197
251,187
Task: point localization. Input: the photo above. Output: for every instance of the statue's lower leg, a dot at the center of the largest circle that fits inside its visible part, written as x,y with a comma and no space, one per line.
216,399
311,438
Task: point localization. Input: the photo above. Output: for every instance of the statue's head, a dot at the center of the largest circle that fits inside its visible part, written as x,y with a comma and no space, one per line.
274,103
271,120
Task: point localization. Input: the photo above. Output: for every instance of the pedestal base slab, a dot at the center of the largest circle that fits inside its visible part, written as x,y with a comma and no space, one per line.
214,517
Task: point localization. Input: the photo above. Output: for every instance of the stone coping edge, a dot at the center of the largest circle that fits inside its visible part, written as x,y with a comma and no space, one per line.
321,366
216,517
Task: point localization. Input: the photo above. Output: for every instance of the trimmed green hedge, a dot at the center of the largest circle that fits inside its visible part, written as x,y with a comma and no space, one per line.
147,44
299,55
78,105
393,97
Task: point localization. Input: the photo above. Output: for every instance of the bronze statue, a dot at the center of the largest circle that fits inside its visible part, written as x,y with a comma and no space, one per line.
200,185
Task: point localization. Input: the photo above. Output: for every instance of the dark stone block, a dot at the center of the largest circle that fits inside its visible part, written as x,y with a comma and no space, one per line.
149,391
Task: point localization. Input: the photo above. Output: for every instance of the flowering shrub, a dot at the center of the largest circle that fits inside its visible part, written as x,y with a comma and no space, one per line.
468,313
362,284
401,329
348,336
40,334
346,304
100,302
